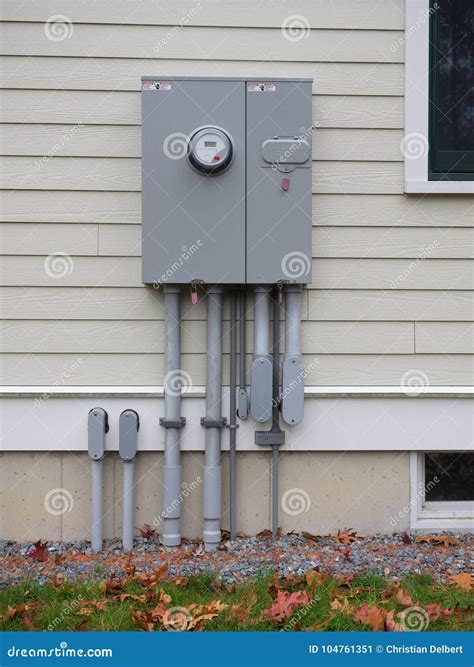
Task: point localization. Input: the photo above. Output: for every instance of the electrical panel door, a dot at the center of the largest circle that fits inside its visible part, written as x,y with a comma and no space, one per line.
193,213
279,132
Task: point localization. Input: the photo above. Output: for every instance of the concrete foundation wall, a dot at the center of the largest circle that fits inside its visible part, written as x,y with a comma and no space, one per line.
46,495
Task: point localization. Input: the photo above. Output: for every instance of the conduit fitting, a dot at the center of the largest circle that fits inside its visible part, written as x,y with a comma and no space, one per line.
261,371
97,427
213,421
292,392
129,424
172,421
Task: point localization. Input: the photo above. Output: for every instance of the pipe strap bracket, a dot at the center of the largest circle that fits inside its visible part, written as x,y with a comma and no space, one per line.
213,423
173,423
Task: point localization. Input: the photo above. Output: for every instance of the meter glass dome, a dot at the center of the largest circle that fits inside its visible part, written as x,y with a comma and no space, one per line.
210,150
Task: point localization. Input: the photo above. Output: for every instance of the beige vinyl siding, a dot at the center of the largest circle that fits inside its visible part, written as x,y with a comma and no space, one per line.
71,179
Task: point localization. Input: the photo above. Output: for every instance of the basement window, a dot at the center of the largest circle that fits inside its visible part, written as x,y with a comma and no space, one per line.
438,143
442,490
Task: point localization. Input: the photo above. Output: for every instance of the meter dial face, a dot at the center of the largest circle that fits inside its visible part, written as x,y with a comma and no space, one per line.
210,150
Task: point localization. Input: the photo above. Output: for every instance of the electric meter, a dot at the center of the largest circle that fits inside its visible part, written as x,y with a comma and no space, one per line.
210,150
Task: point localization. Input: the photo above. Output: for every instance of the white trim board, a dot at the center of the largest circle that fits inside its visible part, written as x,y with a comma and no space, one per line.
416,41
336,423
21,391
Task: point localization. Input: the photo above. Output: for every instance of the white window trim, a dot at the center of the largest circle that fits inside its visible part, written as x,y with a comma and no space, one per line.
416,105
433,516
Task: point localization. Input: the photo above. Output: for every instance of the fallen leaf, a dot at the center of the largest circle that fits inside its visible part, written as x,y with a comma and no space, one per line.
265,534
464,580
147,532
406,539
314,578
309,536
346,536
285,605
442,540
372,616
435,611
40,552
346,552
143,619
403,598
344,606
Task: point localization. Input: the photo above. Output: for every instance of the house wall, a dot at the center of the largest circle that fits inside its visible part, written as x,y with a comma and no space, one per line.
390,304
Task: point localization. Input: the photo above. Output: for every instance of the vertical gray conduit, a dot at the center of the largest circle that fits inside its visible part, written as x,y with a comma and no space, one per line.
243,403
213,422
97,427
276,410
97,505
261,372
172,421
127,507
233,413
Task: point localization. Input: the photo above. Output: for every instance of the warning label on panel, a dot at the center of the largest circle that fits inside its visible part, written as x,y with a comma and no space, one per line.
261,87
156,85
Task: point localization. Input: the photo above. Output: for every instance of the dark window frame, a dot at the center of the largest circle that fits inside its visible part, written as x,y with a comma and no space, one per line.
442,164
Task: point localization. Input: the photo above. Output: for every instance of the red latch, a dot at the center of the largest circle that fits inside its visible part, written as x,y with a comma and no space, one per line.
285,184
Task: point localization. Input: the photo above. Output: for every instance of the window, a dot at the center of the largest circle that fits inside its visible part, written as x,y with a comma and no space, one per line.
451,119
438,143
442,490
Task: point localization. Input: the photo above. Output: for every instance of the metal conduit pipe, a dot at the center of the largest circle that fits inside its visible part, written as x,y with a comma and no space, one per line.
292,405
172,421
243,402
213,422
97,427
233,413
261,372
129,424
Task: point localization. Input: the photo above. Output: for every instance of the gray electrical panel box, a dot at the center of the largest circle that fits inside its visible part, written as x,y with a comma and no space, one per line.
226,180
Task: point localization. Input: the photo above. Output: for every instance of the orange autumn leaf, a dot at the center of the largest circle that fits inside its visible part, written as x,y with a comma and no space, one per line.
371,616
143,619
441,540
313,577
285,605
464,580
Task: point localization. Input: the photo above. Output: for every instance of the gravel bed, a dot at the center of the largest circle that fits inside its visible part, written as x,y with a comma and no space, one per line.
242,558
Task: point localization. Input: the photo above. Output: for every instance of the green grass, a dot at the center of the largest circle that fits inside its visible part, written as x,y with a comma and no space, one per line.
58,608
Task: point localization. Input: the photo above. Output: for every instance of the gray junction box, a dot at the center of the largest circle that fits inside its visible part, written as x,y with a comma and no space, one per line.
226,180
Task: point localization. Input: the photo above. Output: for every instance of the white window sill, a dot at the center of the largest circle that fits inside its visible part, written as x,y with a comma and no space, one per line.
440,187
